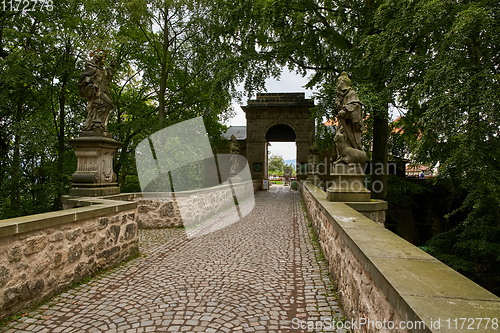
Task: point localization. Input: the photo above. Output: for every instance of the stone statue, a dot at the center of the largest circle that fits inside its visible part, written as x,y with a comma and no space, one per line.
234,149
348,109
94,85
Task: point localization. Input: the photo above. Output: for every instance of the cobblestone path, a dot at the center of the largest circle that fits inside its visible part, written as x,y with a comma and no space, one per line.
261,274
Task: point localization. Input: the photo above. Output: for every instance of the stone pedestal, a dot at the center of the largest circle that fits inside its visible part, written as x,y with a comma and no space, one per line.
374,210
94,176
314,179
347,184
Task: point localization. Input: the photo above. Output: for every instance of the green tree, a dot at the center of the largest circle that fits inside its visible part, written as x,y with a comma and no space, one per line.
276,164
325,37
445,62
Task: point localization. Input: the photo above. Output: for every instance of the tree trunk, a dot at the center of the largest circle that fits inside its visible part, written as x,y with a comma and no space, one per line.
164,70
379,156
60,147
15,192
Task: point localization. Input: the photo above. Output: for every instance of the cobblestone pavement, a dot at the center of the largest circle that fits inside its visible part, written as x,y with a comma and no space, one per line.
261,274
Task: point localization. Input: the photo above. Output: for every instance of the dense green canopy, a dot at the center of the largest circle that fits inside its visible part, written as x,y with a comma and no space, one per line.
436,62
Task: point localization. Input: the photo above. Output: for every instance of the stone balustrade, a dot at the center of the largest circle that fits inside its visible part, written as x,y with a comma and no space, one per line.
380,277
43,254
161,210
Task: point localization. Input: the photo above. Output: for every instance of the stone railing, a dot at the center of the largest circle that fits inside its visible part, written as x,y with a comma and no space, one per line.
161,210
389,284
43,254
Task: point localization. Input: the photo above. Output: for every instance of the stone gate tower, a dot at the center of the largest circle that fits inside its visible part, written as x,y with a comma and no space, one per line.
278,117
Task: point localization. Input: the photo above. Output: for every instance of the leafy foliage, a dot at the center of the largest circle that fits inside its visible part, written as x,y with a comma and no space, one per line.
445,67
276,165
171,66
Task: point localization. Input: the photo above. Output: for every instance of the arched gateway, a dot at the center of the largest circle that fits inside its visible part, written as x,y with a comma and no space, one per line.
277,117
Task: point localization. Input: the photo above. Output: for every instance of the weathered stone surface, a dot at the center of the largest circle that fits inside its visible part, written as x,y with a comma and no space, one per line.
15,253
56,237
89,249
74,252
81,270
73,234
90,227
34,244
115,232
23,291
108,253
130,231
40,262
388,278
167,210
59,257
103,222
4,275
101,244
41,265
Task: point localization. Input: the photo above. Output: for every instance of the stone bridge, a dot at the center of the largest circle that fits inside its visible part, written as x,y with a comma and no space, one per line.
296,263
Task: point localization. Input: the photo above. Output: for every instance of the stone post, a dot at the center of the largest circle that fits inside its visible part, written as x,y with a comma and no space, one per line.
94,176
347,184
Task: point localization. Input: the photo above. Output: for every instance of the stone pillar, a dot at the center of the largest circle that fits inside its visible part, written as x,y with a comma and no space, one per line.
94,176
347,184
256,155
302,157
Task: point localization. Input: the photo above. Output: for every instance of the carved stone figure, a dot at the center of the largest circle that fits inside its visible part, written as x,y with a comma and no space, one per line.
345,153
348,109
234,149
94,85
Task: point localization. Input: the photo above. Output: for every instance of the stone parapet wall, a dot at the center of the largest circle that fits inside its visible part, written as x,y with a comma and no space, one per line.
41,255
380,277
161,210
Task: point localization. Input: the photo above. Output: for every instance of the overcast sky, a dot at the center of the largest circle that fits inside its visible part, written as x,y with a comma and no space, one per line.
289,82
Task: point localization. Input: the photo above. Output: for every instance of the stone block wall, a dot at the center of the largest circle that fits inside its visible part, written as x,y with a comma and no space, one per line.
161,210
380,277
41,255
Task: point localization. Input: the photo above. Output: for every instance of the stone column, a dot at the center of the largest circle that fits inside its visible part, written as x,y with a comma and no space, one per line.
302,158
256,153
94,176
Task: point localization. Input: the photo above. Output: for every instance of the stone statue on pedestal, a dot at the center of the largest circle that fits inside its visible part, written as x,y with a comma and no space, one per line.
347,176
94,147
234,149
94,85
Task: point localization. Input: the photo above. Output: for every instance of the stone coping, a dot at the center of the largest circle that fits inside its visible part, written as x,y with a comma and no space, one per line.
368,206
92,207
153,195
418,286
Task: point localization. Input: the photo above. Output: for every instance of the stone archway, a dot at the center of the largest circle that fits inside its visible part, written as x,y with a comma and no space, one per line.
279,117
